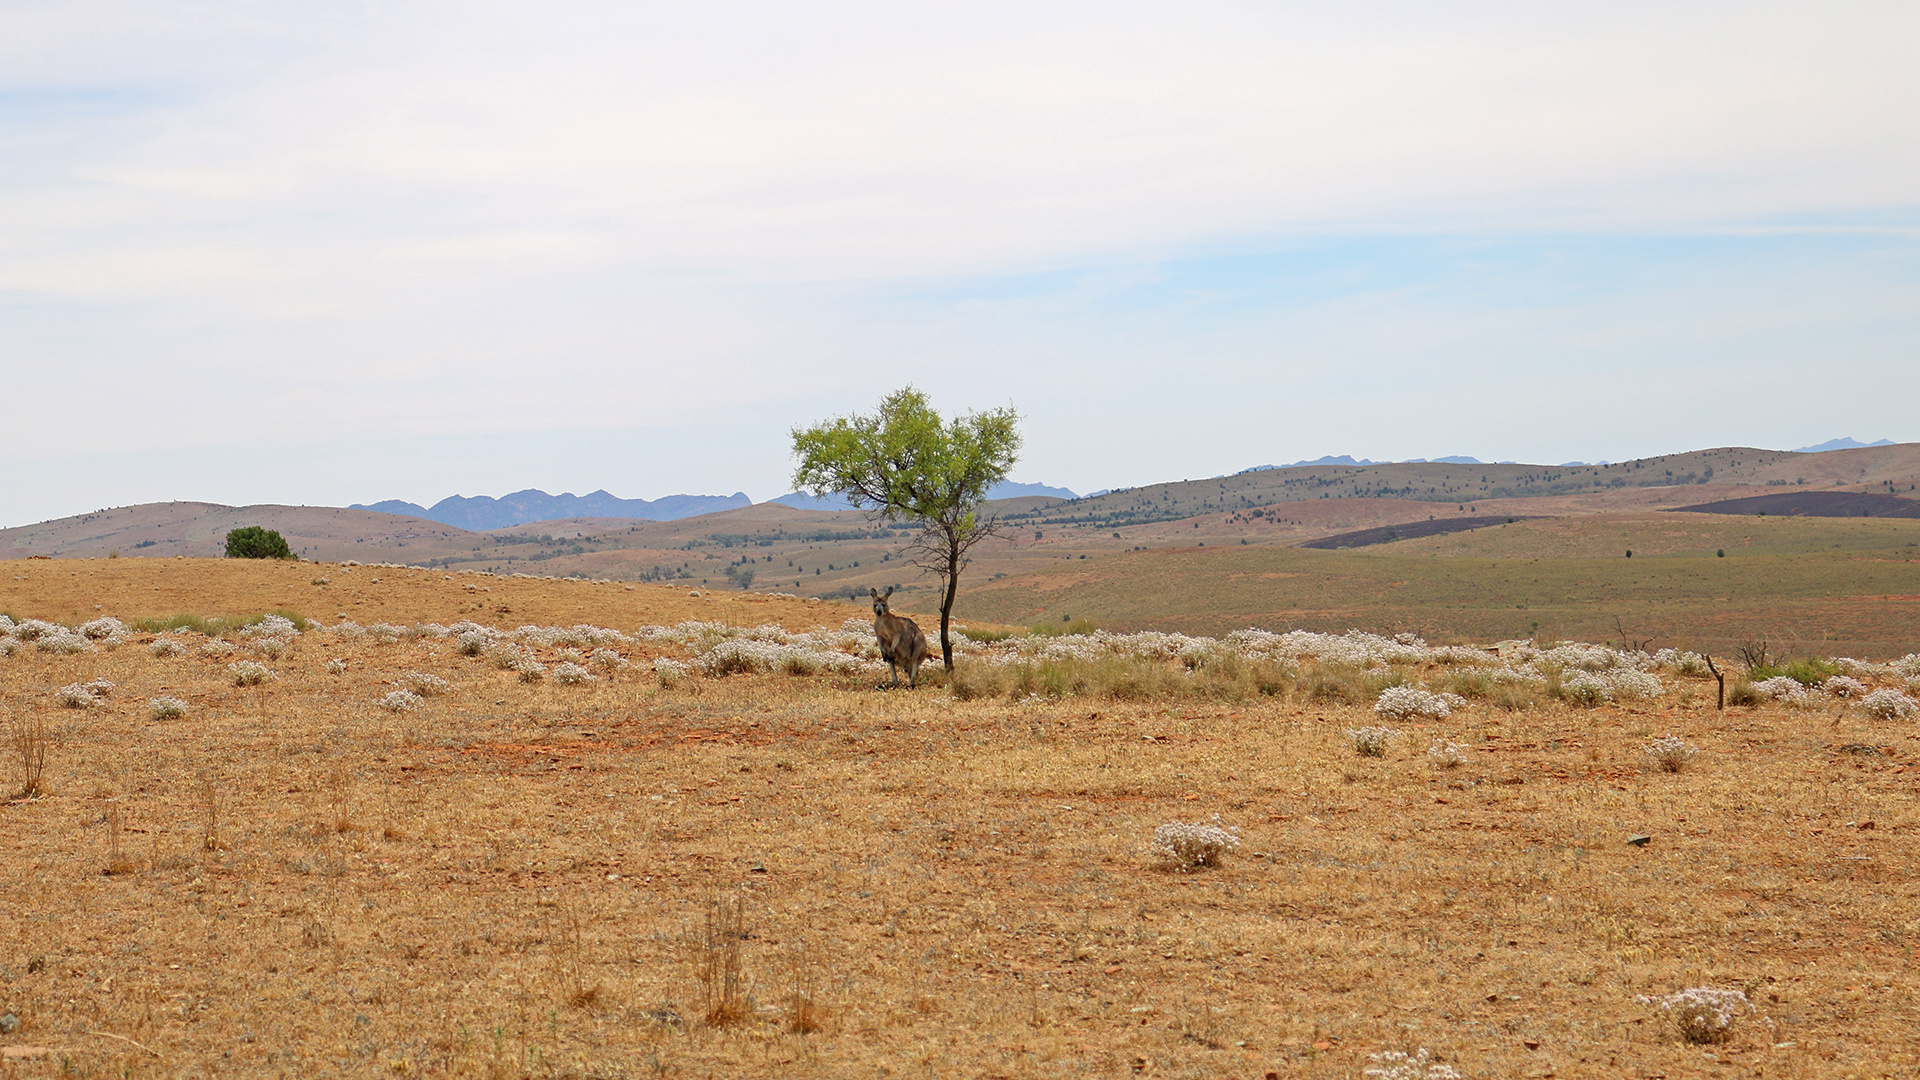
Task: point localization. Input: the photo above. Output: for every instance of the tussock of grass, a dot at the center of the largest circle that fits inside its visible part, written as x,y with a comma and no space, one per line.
1123,678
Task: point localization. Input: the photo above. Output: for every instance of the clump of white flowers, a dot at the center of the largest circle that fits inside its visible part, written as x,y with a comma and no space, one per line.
1586,688
1191,845
214,649
1703,1014
62,640
426,684
164,646
33,629
1447,755
107,630
1844,686
472,642
401,701
607,659
249,673
1889,705
1788,692
1406,702
571,674
336,666
1396,1065
530,670
1669,752
510,657
75,696
1371,741
166,708
670,672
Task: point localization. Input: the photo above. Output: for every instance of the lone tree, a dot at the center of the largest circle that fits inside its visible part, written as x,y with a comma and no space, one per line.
254,542
904,463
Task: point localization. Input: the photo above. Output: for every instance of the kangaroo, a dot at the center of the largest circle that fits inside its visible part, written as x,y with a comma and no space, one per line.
902,645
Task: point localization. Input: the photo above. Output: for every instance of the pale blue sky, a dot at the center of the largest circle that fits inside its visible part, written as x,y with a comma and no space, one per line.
253,254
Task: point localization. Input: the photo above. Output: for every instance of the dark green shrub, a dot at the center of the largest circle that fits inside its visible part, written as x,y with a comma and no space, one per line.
254,542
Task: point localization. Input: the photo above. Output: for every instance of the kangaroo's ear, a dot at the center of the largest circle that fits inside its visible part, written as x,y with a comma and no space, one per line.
889,590
875,593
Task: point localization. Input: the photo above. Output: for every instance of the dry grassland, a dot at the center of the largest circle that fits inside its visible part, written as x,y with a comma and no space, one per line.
779,876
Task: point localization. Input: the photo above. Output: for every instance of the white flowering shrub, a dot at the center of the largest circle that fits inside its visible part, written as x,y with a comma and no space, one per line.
1396,1065
1191,845
1844,686
164,646
1575,656
278,626
100,688
669,672
166,708
1907,666
1889,705
400,701
336,666
1703,1014
62,640
530,670
1629,685
472,642
104,629
1371,741
1781,688
607,660
425,684
215,649
510,657
34,629
1586,688
75,696
1447,755
1406,702
8,646
571,674
1681,663
1669,752
249,673
273,648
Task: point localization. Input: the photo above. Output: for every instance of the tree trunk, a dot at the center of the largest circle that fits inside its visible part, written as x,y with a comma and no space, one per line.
946,602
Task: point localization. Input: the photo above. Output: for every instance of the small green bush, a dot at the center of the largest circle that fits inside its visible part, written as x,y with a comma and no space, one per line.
1810,672
254,542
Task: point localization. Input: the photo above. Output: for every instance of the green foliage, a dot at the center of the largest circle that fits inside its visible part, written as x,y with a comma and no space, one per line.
1808,672
905,462
254,542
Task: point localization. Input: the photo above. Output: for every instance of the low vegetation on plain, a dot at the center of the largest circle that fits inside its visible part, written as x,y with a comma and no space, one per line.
715,846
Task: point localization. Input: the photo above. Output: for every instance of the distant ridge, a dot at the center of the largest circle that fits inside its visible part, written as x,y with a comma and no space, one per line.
1844,442
1348,459
483,512
1006,489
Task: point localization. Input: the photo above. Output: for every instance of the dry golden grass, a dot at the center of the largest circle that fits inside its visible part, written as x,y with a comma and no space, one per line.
778,876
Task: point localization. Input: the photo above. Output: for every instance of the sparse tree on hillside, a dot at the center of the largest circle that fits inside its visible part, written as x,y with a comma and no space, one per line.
905,463
254,542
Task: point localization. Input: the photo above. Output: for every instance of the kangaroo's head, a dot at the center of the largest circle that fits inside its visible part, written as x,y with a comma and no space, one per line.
880,601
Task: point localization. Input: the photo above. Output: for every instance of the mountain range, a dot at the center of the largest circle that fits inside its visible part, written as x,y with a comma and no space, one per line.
479,513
